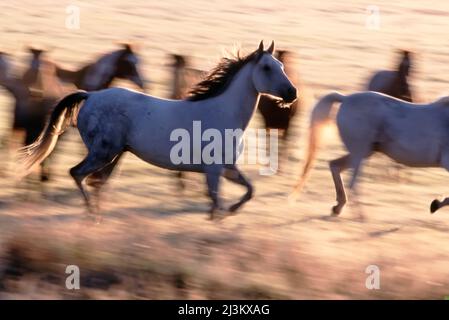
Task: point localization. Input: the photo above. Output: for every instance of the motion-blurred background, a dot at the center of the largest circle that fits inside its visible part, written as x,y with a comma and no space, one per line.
154,241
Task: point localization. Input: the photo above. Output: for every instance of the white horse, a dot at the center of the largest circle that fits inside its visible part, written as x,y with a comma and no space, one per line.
116,120
416,135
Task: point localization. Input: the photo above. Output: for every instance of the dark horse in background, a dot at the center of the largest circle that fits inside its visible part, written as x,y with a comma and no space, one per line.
44,90
275,116
120,64
35,93
394,82
184,76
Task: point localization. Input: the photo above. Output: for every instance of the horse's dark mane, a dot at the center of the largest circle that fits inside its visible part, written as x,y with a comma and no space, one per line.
220,77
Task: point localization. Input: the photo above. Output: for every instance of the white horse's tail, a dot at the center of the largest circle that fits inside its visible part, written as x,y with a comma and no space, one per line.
64,114
321,115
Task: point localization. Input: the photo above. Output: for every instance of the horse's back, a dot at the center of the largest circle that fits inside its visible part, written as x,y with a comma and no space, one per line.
411,134
381,81
360,115
378,103
128,115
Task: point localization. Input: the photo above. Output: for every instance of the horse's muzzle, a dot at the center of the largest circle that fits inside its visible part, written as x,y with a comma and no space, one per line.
290,95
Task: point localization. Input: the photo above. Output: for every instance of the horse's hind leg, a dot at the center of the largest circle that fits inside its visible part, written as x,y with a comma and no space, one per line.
99,178
92,163
233,174
336,167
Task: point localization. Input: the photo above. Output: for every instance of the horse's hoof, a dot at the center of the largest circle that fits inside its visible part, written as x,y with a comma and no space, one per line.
216,217
212,213
292,198
434,206
91,219
234,207
335,211
98,219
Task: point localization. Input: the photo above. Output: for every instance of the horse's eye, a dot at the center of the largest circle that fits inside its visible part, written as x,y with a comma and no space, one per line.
266,68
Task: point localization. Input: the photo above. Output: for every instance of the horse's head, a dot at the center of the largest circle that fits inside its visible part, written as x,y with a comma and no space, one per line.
36,56
127,66
36,52
31,75
269,76
178,61
405,64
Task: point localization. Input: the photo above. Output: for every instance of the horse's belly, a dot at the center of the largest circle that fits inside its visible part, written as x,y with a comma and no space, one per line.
162,157
411,155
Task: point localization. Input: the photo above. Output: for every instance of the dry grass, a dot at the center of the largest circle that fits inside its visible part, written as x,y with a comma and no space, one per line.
155,241
118,261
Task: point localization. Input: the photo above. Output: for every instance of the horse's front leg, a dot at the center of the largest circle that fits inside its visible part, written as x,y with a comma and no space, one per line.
233,174
437,204
213,174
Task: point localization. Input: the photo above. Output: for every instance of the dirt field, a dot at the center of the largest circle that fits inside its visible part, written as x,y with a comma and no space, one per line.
155,242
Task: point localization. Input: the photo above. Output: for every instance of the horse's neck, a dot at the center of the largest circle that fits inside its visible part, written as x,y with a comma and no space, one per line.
66,74
404,69
401,78
240,99
72,76
51,85
92,79
100,74
179,83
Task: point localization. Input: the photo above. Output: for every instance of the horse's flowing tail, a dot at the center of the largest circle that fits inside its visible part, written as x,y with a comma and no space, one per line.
63,115
321,115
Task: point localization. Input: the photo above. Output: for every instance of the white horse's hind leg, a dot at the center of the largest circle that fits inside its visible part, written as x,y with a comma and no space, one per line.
89,165
99,178
336,167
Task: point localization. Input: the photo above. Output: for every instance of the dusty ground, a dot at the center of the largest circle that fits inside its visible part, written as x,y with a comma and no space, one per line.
155,241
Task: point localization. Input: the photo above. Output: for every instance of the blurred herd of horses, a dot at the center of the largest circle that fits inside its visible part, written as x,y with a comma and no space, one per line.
41,86
44,82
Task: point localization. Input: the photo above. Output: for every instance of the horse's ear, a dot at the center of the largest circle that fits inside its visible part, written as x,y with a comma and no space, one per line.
260,50
36,51
127,47
271,48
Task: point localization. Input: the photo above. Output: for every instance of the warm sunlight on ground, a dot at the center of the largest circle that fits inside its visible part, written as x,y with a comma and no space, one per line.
155,241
